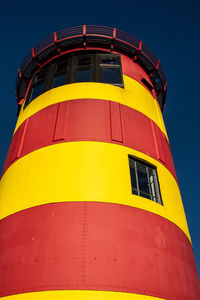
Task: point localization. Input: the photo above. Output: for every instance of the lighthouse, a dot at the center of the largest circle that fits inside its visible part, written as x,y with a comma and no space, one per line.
90,206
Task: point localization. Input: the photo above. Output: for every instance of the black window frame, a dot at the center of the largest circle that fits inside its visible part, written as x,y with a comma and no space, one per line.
75,66
153,186
147,84
72,63
54,70
35,83
117,66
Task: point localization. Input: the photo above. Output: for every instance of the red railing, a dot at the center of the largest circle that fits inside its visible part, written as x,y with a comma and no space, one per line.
92,31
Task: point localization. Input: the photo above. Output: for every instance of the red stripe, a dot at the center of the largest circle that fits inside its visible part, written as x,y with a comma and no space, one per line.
92,120
115,122
61,122
95,246
159,141
134,71
17,142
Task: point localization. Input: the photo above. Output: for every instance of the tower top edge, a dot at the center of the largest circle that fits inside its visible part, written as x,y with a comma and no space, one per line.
88,37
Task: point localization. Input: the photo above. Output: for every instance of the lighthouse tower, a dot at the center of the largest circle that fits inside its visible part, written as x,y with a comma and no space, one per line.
90,207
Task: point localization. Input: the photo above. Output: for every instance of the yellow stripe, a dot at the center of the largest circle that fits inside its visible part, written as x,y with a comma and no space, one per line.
84,171
133,95
80,295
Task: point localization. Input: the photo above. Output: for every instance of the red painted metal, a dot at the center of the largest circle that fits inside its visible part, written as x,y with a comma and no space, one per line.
60,131
16,144
95,246
115,122
21,102
33,52
84,30
55,37
157,65
114,33
91,120
131,69
19,72
160,144
140,46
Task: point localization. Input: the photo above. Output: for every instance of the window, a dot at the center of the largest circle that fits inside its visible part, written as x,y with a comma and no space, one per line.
147,84
37,87
110,69
59,74
144,180
92,67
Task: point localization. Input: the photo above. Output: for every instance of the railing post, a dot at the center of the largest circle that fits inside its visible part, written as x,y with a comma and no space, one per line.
33,52
56,42
140,46
20,74
84,30
113,39
84,37
114,33
35,57
157,65
138,51
55,37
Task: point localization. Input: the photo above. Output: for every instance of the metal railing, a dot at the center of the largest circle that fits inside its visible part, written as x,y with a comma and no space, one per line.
82,32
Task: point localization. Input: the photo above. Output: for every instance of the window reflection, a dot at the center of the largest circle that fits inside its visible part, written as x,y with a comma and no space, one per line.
110,75
83,75
59,79
37,90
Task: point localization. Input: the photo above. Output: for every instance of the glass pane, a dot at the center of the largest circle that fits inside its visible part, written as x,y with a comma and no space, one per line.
133,181
143,181
40,76
84,61
154,185
141,166
83,75
109,61
59,79
110,75
61,67
37,90
131,163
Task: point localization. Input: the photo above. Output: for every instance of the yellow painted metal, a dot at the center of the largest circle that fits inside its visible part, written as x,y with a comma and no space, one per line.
133,95
80,295
85,171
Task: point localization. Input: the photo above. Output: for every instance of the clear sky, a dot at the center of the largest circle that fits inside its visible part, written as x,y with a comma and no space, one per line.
171,29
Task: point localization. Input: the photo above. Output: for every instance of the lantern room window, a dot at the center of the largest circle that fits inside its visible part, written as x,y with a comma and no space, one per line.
94,67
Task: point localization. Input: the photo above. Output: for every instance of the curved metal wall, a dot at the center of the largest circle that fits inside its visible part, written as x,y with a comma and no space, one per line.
70,226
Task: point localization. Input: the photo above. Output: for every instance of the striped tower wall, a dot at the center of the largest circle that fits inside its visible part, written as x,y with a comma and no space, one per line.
70,226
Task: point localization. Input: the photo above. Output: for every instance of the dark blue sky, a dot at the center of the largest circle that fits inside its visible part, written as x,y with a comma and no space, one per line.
170,28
